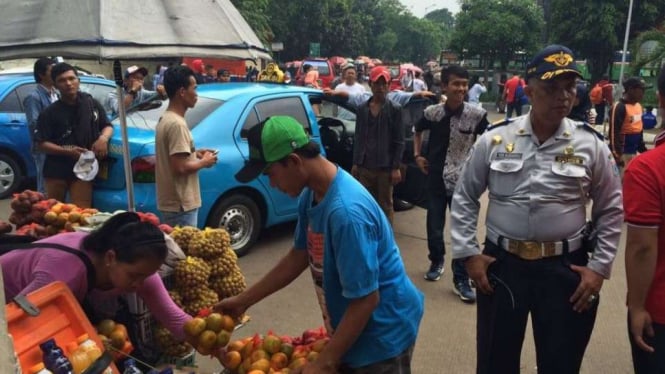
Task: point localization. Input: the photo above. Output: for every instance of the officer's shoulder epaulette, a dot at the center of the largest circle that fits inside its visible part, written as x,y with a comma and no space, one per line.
586,126
500,123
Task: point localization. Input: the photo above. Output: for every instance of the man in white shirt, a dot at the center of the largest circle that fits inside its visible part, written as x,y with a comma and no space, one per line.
350,84
351,87
475,91
418,83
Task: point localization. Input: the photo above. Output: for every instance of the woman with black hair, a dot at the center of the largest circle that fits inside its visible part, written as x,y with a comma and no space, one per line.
122,256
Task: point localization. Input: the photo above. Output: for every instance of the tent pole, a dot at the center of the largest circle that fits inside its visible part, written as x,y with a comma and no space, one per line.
122,115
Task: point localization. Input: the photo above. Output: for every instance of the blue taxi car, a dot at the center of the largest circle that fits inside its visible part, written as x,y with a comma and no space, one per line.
222,111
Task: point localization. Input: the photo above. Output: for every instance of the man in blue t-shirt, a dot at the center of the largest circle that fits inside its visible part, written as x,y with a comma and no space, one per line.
370,307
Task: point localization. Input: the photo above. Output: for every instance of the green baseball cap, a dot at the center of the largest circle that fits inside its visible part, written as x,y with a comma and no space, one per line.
270,141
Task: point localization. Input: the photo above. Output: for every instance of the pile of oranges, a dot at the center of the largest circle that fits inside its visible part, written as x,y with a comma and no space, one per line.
114,335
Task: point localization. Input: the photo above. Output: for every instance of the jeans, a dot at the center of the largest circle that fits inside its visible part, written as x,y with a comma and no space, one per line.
645,362
188,218
516,106
39,165
436,219
400,364
541,288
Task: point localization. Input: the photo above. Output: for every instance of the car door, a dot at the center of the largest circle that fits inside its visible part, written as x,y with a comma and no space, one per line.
412,188
263,108
14,133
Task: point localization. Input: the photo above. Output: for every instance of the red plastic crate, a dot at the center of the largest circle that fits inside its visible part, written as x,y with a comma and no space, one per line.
60,317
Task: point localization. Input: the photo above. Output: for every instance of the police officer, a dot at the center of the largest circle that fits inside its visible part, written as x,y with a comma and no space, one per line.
540,170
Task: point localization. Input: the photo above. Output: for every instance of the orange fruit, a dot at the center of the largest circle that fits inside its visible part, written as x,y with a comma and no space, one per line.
118,339
122,328
57,208
232,359
50,217
235,346
279,361
262,365
228,323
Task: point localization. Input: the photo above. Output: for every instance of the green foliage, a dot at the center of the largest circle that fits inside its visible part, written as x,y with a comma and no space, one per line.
591,28
495,30
653,57
378,28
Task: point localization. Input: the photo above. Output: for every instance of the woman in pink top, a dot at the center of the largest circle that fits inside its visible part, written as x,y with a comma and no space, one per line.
125,255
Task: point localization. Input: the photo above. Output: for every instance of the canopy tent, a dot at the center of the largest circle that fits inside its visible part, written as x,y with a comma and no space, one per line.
126,29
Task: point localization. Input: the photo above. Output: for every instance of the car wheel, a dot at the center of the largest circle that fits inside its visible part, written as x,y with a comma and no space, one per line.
10,176
241,218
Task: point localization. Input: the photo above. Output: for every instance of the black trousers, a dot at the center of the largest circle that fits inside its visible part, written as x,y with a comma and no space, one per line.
541,288
645,362
600,113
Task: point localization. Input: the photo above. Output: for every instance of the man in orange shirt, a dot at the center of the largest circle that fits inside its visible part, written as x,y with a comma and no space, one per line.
626,122
509,95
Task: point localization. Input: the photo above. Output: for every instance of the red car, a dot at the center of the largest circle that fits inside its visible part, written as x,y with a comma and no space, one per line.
325,68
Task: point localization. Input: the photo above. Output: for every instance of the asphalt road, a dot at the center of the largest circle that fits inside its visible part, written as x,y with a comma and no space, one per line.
446,342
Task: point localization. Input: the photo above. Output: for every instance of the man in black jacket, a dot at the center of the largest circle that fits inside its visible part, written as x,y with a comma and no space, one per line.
72,125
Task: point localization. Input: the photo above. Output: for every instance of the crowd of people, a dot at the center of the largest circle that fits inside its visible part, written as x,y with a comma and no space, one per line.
543,257
536,167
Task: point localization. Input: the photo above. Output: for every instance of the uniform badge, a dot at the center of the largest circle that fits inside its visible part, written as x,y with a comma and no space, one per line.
569,159
559,59
496,140
510,147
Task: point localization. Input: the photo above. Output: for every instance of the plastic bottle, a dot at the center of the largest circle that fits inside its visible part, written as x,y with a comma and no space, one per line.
78,357
91,349
54,359
130,367
39,369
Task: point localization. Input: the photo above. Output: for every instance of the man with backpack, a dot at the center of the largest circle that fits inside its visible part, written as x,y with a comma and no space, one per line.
601,95
514,95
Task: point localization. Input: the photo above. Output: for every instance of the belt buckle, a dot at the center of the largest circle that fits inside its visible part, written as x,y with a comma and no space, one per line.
530,250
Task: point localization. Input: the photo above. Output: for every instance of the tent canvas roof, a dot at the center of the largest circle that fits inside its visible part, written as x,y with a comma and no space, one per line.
126,29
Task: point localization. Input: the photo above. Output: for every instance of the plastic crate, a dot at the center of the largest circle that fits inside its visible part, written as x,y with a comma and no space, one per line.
141,323
188,360
60,317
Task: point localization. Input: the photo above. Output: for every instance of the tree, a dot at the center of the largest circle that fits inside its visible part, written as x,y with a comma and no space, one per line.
445,20
591,28
497,30
254,12
442,16
595,28
647,57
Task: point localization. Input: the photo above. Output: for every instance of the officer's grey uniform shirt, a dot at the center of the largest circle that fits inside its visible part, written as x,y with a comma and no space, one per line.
535,196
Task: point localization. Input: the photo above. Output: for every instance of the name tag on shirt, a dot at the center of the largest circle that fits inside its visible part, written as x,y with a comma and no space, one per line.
569,160
507,156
